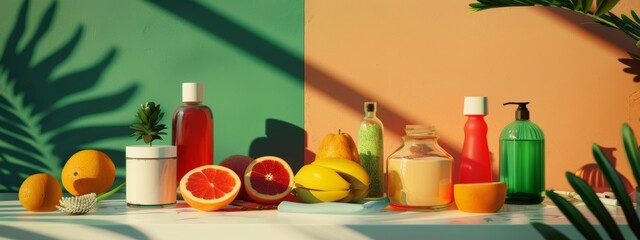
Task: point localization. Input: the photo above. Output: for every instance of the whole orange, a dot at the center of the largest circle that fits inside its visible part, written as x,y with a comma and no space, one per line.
88,171
40,192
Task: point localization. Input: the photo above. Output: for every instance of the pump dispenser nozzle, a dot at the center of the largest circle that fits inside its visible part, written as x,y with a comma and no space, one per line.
522,113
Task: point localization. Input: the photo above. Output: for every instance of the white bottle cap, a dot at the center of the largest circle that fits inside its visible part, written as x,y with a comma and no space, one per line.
192,92
475,105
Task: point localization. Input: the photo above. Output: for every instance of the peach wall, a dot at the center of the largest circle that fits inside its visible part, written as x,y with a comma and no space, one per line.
418,59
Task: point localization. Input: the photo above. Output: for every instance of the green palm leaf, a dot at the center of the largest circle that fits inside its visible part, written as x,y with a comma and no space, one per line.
602,14
575,217
631,148
549,232
595,205
604,6
618,189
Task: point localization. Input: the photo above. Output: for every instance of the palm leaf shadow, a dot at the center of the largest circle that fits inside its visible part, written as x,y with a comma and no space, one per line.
633,67
16,233
35,132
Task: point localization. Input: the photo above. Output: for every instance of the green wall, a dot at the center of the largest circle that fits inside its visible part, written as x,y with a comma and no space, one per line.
73,73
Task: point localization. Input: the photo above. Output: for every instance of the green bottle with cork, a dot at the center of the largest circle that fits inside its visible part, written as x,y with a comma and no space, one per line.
370,149
522,158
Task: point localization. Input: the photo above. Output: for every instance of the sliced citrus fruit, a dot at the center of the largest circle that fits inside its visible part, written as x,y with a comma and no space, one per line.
480,197
268,180
209,187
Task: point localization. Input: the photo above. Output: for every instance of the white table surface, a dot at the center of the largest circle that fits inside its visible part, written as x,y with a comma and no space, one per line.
114,220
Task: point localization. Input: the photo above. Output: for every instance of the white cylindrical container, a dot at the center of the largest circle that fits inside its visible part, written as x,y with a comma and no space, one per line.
151,175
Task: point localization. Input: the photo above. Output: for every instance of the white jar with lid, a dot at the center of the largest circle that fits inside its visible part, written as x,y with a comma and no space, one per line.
151,175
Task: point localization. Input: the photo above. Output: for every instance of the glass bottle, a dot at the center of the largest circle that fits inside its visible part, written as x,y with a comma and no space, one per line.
370,149
420,172
192,132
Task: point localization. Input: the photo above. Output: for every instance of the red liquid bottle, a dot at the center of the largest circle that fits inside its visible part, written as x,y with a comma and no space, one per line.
192,130
475,162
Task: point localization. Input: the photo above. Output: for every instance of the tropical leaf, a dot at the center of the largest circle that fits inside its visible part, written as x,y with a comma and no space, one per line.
631,148
582,5
618,189
575,217
602,14
575,5
549,232
35,107
604,6
595,205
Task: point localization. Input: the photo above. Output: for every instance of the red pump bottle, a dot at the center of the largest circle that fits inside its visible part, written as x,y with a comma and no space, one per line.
192,130
475,162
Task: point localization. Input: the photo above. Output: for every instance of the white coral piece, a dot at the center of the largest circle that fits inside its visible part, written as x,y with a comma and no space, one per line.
78,205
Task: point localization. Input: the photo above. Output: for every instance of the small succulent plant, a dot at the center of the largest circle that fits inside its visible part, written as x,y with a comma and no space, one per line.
148,128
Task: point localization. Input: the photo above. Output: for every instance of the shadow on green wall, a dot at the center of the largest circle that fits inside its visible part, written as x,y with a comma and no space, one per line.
210,21
36,135
282,140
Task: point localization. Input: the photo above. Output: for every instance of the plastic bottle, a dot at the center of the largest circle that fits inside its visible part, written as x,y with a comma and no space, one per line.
522,158
420,172
475,162
192,130
370,149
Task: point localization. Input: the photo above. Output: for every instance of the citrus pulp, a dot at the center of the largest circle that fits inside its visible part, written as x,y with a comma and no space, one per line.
268,180
209,187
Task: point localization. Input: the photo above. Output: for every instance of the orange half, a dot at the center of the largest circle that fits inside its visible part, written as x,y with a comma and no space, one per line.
480,197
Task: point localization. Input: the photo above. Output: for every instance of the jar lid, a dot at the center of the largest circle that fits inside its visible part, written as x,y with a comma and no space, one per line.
475,105
144,151
420,130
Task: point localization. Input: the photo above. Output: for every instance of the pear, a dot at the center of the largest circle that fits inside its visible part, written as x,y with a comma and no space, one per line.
338,146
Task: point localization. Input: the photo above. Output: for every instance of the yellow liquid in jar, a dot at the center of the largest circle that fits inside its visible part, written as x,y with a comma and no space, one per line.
420,183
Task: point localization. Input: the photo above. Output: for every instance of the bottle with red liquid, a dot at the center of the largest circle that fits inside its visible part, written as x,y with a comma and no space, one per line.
475,161
192,130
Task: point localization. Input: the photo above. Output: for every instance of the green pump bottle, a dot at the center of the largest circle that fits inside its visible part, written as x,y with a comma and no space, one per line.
522,158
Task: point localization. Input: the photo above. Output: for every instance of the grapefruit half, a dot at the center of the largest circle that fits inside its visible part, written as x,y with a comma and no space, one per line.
209,187
268,180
